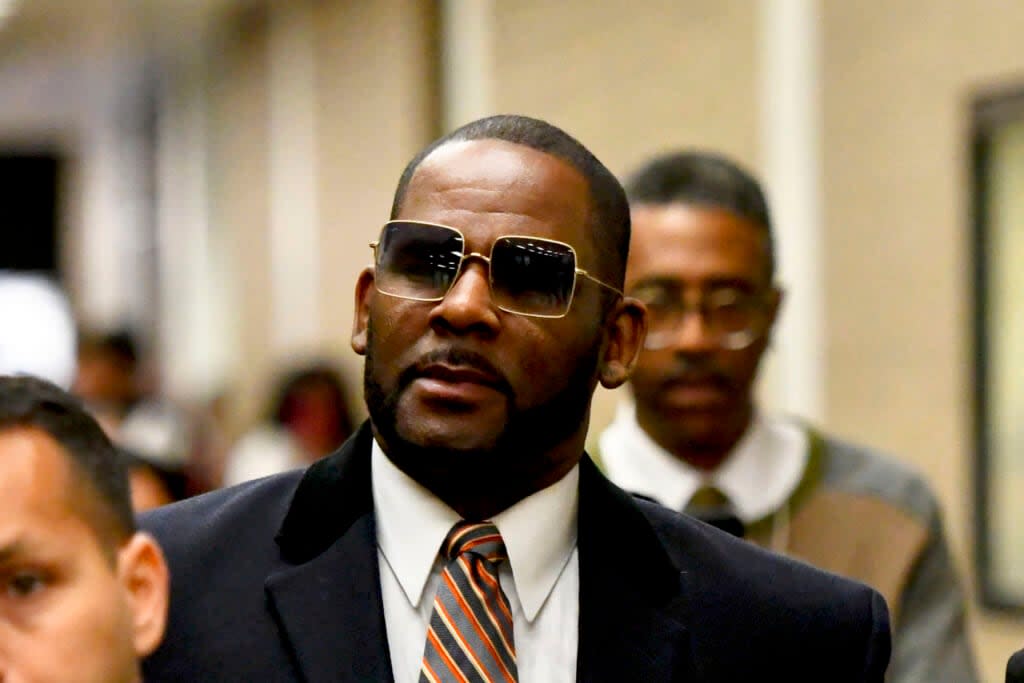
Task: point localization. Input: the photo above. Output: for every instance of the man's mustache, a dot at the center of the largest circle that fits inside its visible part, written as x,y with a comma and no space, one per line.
696,371
456,357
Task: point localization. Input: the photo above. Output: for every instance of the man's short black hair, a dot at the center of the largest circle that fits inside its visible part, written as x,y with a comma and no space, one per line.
703,178
609,216
29,402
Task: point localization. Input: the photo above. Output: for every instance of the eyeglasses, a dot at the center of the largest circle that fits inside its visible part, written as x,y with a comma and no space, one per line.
527,275
734,318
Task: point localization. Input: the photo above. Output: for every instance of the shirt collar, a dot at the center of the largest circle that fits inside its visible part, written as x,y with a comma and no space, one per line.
758,476
539,532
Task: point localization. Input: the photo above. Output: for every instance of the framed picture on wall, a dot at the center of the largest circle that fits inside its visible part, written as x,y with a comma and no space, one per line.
997,152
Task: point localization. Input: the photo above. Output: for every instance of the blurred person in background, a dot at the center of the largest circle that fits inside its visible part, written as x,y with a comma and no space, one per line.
153,433
107,374
83,595
309,417
702,260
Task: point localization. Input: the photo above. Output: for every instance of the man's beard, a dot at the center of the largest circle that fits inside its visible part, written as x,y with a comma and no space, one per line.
524,442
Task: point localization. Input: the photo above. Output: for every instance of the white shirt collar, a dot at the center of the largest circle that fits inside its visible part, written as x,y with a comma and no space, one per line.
539,531
758,476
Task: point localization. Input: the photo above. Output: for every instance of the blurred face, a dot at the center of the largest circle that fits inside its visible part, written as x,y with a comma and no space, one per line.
459,385
69,612
704,269
313,418
103,379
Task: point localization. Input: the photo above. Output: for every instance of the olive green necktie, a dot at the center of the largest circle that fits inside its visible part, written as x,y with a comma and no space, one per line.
710,505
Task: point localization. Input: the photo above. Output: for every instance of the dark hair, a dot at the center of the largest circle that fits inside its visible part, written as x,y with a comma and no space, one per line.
307,377
119,344
609,221
34,403
703,178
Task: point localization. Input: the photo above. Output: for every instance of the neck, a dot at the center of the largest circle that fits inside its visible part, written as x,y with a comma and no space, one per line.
704,450
479,485
497,499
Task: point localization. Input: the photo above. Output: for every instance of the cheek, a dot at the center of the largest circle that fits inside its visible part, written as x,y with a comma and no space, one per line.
742,365
388,342
82,635
651,367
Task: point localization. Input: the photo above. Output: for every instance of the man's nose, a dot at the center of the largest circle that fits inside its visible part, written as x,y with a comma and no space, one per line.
468,307
694,334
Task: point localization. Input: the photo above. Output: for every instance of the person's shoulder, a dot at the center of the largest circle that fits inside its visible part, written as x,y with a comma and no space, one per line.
861,470
251,509
775,605
735,566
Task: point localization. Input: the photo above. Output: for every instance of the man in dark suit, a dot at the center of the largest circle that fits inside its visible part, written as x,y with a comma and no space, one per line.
462,534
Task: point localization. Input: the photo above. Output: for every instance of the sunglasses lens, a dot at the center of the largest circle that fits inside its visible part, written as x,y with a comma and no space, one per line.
416,261
532,276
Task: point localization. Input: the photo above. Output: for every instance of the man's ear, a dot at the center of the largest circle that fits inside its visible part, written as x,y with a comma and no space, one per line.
625,330
361,319
143,574
775,299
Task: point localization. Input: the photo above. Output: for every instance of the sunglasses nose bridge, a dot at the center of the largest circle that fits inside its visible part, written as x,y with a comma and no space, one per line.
468,303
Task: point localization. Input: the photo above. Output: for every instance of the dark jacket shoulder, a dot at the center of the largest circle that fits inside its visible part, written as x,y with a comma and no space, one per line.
768,599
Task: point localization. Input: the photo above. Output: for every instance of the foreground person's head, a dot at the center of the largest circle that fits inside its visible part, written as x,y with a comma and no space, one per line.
494,309
83,595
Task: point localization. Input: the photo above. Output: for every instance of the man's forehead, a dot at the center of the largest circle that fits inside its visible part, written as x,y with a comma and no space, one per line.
34,471
496,176
684,238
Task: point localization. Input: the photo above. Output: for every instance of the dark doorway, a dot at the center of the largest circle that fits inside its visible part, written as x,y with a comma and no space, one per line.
28,221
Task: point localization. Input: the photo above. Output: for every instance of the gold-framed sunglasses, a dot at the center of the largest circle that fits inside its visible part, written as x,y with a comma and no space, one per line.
530,276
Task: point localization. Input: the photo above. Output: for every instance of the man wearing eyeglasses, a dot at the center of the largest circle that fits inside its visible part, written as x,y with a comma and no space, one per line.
461,534
702,261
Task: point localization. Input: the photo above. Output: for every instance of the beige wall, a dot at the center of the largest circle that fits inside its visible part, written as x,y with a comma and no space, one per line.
372,120
896,91
375,107
239,195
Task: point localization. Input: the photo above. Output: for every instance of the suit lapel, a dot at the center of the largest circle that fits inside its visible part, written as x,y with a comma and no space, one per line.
632,597
327,597
330,611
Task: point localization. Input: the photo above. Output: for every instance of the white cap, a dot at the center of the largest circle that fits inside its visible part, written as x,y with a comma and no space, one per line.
37,329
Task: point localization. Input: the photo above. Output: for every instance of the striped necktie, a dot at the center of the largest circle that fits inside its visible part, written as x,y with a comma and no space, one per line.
470,633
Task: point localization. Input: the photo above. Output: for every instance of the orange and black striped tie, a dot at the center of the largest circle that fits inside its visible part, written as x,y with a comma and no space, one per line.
469,639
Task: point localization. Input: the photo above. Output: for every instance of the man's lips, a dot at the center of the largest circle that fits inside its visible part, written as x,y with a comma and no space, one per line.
460,374
705,391
458,383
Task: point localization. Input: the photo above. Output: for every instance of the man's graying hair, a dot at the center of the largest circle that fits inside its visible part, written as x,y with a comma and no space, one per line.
700,178
609,218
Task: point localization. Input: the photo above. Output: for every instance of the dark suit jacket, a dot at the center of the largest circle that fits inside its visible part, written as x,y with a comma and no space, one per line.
277,580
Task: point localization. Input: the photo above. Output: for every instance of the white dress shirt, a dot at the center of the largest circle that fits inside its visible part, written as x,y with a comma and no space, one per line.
758,476
541,578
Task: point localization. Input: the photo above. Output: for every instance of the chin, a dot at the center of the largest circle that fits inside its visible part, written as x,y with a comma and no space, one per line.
456,434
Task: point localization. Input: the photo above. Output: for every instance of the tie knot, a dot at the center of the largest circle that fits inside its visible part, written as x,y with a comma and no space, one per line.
708,497
481,538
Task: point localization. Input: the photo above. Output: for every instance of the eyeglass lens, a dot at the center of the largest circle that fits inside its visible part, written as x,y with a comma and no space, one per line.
532,276
731,316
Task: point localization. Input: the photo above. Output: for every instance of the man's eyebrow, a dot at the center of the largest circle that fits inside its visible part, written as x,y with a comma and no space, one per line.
718,282
731,282
11,550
